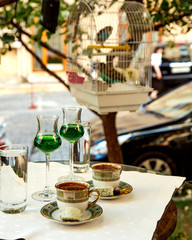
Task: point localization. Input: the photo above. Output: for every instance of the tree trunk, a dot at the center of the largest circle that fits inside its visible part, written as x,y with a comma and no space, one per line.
114,150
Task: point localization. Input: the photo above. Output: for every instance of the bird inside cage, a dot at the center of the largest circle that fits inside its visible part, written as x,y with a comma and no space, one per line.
103,34
109,74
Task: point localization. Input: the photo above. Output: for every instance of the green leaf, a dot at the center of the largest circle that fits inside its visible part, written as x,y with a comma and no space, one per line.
7,38
165,5
74,48
3,51
87,52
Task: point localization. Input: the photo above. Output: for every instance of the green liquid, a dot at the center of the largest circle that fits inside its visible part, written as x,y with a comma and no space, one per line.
71,132
47,143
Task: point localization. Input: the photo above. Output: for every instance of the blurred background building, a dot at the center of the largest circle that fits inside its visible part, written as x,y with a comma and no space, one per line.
18,65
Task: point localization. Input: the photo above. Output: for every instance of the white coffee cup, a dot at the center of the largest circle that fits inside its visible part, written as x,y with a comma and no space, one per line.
106,174
75,194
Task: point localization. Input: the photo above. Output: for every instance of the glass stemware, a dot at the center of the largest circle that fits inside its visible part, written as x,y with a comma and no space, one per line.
71,130
46,140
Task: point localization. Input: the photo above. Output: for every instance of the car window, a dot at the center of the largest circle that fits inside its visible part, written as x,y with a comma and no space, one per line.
175,104
176,54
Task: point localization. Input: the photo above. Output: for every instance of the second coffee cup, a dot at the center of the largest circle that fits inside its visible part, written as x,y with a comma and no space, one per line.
106,174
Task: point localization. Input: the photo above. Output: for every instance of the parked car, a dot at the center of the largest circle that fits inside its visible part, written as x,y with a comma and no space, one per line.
176,67
158,137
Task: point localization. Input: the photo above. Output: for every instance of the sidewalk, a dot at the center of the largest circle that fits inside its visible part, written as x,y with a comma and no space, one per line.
14,88
35,82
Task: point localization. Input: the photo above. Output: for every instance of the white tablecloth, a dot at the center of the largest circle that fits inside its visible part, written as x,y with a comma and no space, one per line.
132,217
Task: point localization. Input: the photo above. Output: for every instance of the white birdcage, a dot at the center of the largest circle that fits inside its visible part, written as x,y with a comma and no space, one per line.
109,46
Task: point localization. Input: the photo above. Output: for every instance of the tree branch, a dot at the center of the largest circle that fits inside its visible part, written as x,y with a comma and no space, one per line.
15,8
6,2
45,45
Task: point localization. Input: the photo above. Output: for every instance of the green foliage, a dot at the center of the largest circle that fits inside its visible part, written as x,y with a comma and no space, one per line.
171,11
171,44
75,47
26,15
180,236
7,38
185,190
183,201
88,52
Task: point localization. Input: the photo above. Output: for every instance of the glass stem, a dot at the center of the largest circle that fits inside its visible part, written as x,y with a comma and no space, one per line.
71,150
47,180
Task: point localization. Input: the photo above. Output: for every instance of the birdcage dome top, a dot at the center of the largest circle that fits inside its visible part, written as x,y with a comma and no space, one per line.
103,13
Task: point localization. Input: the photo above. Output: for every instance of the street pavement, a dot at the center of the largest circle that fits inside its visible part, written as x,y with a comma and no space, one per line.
21,124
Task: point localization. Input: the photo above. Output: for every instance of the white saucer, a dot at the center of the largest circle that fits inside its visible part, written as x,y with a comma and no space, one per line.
122,186
52,213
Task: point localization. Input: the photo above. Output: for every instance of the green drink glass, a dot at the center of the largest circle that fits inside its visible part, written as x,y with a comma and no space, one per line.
46,140
71,130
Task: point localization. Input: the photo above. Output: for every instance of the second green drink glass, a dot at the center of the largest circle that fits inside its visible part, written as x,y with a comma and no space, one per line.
71,130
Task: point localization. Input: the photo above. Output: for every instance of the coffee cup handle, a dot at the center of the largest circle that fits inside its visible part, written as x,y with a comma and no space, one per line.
98,197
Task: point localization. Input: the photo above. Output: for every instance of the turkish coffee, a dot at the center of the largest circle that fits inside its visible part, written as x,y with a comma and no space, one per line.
106,167
72,186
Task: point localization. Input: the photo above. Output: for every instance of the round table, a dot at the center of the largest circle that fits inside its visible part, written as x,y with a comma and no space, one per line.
167,224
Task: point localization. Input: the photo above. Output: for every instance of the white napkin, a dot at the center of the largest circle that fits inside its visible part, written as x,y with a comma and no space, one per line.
132,217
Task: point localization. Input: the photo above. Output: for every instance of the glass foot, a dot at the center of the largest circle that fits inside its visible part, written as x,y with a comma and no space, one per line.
44,196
